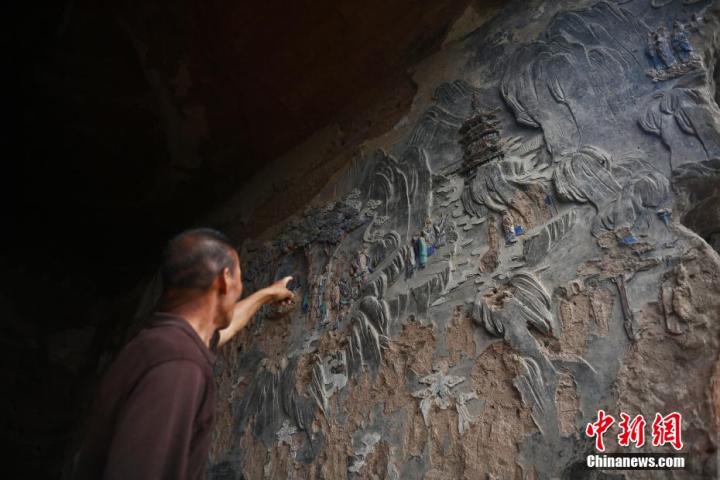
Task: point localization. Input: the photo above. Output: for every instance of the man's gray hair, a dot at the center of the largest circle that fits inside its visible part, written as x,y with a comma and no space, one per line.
195,257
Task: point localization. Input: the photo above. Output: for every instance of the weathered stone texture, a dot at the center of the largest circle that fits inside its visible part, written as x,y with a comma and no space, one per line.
474,291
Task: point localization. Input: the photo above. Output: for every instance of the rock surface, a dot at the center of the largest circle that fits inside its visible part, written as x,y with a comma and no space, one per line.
528,246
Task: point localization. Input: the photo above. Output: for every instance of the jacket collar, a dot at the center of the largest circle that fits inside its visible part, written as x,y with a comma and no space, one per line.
158,319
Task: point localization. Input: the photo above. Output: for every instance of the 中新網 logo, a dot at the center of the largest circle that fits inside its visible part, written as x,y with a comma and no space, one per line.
665,430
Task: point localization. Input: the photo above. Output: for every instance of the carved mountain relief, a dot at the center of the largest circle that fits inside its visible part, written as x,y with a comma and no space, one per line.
502,272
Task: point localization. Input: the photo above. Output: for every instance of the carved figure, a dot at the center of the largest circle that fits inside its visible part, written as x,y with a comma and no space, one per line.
680,42
652,50
320,304
345,292
675,51
421,249
429,232
662,45
664,215
335,295
508,227
362,264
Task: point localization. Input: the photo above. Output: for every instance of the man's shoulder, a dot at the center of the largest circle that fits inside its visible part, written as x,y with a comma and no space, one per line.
165,342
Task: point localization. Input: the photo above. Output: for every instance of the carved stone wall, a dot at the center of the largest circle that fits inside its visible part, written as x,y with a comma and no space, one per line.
507,261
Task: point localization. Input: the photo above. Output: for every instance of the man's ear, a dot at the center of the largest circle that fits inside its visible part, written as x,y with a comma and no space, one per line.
224,280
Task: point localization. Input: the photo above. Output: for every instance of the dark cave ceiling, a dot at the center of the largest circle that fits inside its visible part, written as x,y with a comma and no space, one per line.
140,116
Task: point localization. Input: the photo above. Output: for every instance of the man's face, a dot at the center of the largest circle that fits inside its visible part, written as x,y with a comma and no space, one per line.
233,280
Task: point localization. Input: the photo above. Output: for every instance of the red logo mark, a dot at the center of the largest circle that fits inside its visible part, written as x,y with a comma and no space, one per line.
598,428
667,430
632,431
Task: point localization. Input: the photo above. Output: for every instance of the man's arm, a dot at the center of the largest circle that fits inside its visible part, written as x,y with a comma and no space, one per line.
154,429
247,307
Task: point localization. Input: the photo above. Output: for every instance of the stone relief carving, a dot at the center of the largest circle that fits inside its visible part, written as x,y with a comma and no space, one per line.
405,283
683,117
438,392
537,246
368,442
671,53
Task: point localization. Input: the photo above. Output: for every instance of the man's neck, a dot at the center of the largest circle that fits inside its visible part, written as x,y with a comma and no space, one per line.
198,313
203,328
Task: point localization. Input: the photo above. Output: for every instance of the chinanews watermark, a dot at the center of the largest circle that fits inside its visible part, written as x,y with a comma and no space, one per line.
664,430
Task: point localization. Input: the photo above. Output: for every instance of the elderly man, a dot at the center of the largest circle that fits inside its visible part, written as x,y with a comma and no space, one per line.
153,414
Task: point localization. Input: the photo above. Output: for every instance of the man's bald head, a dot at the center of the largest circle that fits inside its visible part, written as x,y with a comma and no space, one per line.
194,258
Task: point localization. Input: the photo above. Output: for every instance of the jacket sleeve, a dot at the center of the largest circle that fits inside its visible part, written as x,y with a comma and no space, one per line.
154,429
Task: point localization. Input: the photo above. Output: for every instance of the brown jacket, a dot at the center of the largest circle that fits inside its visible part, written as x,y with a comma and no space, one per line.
153,414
